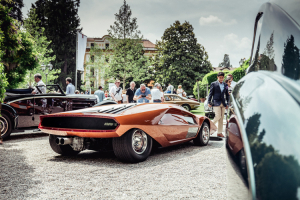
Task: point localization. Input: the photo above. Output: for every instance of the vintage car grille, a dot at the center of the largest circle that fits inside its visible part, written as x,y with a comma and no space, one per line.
87,123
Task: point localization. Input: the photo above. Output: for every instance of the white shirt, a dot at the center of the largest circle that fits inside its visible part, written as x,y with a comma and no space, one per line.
70,89
179,92
233,83
124,98
156,94
114,90
43,89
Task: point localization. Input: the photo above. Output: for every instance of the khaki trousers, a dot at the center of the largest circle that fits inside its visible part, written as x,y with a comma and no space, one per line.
219,115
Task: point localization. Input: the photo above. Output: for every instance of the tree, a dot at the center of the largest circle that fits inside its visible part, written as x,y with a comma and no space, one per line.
128,60
3,79
61,22
95,67
41,46
181,60
16,8
291,59
226,62
18,47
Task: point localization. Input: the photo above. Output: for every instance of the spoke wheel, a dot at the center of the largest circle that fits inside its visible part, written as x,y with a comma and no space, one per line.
139,141
134,146
203,136
187,107
5,126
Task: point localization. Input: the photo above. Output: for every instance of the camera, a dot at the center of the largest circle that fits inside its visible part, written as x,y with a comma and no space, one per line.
143,95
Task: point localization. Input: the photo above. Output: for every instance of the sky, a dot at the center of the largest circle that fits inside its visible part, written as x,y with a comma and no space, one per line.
221,26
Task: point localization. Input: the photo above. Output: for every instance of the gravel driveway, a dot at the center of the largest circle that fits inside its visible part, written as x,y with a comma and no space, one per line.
31,170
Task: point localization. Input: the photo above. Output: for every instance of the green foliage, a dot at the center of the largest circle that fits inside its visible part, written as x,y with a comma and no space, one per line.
3,83
95,67
41,46
128,60
238,73
15,8
180,60
61,22
18,47
3,79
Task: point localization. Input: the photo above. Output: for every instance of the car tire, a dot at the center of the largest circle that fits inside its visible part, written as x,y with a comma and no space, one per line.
203,136
5,125
128,149
186,106
65,150
242,162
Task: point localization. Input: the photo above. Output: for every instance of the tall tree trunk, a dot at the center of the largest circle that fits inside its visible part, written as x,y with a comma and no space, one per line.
65,65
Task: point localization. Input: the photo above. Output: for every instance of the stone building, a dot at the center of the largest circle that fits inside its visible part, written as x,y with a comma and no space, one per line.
104,44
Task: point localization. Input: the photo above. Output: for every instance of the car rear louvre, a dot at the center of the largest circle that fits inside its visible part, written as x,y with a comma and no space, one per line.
87,123
117,110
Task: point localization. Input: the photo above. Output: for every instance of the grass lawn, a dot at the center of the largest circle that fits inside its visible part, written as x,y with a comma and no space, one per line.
199,111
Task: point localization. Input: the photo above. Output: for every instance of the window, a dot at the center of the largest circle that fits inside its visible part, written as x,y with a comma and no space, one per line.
92,44
107,46
168,98
189,119
92,58
176,98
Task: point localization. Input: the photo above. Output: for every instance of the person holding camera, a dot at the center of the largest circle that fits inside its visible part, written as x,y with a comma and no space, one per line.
218,91
143,94
116,92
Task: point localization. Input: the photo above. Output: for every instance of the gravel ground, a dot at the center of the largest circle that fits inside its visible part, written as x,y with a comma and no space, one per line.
31,170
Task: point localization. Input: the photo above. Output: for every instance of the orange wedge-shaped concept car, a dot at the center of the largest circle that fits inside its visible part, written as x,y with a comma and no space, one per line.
129,129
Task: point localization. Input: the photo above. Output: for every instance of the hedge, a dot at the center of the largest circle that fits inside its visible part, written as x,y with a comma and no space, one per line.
238,73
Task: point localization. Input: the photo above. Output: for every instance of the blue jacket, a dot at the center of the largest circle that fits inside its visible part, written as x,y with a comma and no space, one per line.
217,95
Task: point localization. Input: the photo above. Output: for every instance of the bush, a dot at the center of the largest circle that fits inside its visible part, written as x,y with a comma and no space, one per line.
238,73
202,90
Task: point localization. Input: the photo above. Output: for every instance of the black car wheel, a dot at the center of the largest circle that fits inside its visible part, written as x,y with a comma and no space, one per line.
5,126
65,150
134,146
186,106
203,136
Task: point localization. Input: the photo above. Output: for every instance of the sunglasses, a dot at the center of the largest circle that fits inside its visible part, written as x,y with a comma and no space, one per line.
143,89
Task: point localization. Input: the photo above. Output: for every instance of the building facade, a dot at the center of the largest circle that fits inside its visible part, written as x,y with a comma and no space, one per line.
93,78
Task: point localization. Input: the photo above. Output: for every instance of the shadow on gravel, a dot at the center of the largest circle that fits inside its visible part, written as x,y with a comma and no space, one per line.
16,175
158,156
16,136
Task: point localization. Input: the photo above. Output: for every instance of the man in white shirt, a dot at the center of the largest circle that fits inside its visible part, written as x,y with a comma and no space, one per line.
70,87
233,83
170,88
116,92
40,85
156,94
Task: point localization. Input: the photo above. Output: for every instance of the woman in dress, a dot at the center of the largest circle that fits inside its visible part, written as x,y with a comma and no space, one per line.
180,91
106,93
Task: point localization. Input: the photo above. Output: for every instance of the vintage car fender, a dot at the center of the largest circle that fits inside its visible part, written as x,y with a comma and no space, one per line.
10,111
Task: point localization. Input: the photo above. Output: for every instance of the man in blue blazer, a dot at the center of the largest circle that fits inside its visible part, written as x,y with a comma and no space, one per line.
218,91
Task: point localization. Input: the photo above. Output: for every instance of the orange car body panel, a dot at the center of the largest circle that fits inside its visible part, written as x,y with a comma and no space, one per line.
148,117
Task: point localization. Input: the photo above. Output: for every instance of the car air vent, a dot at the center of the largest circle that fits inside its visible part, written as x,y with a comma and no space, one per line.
117,109
87,123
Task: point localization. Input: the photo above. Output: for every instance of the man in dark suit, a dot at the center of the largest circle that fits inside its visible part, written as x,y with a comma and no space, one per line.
218,91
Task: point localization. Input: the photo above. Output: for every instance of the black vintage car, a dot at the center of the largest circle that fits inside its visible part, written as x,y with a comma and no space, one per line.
263,129
21,109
